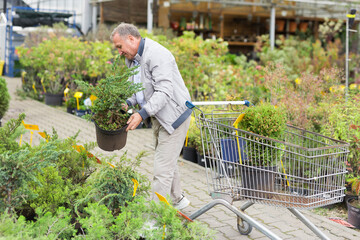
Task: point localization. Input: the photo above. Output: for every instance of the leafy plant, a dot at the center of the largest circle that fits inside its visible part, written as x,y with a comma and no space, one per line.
19,168
140,219
113,185
70,102
8,134
46,226
194,136
49,175
5,98
137,220
43,33
112,93
329,29
268,121
54,62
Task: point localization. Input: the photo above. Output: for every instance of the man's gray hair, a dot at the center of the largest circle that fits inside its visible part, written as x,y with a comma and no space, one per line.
125,29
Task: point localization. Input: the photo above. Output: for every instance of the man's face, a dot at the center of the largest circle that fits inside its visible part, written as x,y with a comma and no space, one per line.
126,46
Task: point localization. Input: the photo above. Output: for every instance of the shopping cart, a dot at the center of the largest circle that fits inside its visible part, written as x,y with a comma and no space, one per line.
303,170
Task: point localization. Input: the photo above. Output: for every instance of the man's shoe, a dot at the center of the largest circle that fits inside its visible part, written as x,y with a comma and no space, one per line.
183,203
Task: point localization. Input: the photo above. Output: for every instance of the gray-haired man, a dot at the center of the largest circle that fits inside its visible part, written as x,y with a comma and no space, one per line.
163,100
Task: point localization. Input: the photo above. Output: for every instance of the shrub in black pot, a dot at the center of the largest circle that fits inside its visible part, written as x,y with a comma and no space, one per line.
107,109
262,123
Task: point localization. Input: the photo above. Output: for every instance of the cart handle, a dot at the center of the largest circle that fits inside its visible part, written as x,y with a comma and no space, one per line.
191,105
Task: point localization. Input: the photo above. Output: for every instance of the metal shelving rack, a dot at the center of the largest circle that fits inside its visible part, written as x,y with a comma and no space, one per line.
12,39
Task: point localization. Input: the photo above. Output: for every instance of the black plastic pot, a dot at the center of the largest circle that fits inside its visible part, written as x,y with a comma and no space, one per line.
258,180
353,213
349,197
81,113
190,154
200,159
111,140
54,99
70,110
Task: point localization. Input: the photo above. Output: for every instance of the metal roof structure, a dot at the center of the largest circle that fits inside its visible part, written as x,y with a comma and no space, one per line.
302,8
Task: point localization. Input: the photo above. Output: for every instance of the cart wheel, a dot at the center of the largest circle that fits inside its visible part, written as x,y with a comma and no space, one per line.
244,227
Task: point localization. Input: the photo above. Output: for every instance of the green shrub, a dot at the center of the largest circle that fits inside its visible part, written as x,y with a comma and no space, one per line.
342,122
113,186
264,119
112,92
268,121
9,133
140,219
194,137
5,98
46,226
19,168
133,222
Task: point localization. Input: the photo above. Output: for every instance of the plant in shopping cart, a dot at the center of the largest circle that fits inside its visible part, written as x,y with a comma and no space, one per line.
268,121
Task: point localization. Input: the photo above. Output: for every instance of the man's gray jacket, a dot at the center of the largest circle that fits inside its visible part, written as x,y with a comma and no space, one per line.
165,92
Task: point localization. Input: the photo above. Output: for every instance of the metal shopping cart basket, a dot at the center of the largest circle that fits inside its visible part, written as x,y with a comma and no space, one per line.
304,170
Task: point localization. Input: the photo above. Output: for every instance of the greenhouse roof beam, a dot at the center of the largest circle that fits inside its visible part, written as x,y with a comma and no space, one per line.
315,5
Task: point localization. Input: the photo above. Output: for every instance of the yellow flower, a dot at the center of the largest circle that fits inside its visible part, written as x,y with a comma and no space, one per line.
352,86
332,89
298,81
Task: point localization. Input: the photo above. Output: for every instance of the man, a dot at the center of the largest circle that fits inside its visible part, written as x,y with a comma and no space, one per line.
163,100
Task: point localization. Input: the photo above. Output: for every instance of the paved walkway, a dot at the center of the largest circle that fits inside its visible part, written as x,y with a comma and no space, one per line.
278,220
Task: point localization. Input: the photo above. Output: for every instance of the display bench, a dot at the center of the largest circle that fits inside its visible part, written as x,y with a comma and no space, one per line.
238,25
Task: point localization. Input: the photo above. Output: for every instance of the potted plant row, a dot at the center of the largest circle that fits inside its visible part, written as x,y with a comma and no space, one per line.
52,65
107,109
193,150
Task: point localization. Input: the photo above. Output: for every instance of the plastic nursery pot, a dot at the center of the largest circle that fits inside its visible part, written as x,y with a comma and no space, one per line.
70,110
81,113
111,140
190,154
53,99
353,213
257,181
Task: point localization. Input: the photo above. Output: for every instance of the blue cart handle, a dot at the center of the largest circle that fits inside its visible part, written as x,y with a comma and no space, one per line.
191,105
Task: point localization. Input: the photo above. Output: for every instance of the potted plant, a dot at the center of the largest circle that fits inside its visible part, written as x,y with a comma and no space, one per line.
108,114
192,145
53,87
70,103
5,98
353,203
353,178
263,123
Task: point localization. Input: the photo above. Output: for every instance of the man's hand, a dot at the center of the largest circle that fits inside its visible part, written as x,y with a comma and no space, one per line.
134,121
